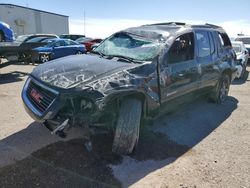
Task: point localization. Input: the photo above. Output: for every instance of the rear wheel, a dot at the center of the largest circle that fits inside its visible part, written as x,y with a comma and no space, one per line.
1,36
128,126
44,58
79,53
219,95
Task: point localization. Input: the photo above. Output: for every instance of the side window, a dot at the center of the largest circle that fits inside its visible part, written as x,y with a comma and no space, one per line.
225,41
59,43
67,43
203,43
212,43
218,41
182,49
35,39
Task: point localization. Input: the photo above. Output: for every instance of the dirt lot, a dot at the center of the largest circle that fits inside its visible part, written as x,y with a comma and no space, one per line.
199,145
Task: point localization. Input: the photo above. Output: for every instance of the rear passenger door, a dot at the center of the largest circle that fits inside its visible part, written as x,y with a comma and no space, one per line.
179,72
207,58
71,47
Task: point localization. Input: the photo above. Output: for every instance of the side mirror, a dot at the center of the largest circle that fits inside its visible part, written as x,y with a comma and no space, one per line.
246,52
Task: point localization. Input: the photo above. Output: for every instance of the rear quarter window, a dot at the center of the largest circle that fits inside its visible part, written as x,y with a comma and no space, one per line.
224,39
203,43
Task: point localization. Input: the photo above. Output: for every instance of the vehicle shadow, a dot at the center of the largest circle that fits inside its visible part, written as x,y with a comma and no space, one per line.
241,81
70,164
15,76
6,63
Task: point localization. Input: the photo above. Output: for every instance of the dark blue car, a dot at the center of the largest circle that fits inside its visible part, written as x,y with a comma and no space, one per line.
57,48
6,33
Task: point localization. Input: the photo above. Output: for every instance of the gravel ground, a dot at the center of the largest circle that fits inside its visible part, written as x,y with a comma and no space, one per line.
199,145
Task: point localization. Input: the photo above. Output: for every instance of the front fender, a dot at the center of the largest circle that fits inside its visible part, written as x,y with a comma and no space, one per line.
150,103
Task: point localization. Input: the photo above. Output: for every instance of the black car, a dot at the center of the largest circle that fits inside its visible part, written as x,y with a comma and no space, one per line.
134,74
71,36
23,45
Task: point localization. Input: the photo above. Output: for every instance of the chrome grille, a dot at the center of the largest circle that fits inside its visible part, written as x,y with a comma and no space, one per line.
40,97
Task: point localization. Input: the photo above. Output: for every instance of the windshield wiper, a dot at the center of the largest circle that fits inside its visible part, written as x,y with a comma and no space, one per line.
99,53
129,59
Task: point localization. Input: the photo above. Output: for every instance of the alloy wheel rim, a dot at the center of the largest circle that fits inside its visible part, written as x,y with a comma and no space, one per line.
44,58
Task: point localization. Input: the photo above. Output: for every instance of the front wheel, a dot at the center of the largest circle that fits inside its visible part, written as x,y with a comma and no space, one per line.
220,93
44,58
128,126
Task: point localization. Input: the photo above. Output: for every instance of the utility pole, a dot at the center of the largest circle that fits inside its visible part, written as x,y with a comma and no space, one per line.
84,22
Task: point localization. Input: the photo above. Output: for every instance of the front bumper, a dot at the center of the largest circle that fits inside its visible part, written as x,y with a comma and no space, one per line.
66,104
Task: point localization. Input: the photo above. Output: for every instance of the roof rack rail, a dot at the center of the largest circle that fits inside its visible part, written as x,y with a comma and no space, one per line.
169,23
206,26
213,26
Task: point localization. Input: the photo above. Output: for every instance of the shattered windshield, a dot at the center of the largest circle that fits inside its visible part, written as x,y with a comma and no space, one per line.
130,46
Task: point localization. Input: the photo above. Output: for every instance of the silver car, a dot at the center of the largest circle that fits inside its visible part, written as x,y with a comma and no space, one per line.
242,58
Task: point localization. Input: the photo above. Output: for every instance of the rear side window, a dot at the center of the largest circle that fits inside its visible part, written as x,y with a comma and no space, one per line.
69,42
225,41
59,43
182,49
212,43
203,43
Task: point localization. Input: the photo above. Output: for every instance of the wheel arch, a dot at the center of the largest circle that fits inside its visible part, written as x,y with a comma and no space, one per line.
116,98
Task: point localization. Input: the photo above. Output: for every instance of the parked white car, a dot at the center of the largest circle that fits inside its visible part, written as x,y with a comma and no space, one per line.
242,58
246,41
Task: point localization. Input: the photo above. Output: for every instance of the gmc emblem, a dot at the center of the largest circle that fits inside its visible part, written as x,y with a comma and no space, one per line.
36,96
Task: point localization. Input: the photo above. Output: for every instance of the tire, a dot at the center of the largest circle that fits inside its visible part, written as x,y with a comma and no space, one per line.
44,58
79,53
1,36
220,93
128,126
22,57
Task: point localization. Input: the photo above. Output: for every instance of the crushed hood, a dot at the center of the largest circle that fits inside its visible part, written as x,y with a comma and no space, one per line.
68,71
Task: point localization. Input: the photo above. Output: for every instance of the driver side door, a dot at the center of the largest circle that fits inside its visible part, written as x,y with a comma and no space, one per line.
179,74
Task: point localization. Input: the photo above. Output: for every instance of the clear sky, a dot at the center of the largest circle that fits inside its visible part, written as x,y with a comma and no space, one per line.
103,17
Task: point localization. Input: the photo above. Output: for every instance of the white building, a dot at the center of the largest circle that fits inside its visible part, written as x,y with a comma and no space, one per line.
24,20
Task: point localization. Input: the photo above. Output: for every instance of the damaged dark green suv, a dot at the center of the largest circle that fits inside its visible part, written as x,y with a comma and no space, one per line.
134,74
